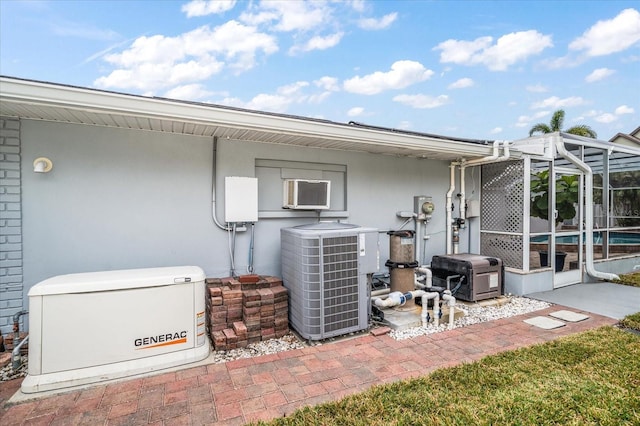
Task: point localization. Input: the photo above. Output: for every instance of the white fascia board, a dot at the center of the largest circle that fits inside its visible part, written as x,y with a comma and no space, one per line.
528,144
91,100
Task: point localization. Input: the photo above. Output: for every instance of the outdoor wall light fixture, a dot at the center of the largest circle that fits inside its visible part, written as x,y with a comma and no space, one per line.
42,165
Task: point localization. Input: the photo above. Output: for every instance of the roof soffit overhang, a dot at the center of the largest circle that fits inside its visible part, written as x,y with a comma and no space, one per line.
52,102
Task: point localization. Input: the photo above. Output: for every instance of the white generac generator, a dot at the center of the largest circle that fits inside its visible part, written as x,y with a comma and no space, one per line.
91,327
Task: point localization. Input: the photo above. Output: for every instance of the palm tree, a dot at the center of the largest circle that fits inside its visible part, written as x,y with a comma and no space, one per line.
556,126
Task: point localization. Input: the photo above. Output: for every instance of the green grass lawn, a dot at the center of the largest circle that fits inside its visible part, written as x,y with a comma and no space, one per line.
591,378
631,321
632,279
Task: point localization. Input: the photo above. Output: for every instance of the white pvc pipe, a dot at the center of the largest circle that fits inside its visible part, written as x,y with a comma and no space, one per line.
394,299
463,201
495,157
380,292
588,176
452,187
492,157
429,275
417,228
451,303
436,305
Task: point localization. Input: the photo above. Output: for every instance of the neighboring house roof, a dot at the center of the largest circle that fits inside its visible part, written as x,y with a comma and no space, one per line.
631,139
63,103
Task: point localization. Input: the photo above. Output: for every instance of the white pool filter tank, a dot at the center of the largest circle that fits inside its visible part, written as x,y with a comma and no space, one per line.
91,327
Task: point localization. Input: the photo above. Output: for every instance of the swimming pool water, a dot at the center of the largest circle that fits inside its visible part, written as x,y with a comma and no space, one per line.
614,238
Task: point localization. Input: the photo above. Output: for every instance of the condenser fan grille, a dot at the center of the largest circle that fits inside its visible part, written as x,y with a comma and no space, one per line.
340,265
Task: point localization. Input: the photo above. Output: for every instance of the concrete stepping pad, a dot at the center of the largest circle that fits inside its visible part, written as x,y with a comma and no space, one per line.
569,316
545,323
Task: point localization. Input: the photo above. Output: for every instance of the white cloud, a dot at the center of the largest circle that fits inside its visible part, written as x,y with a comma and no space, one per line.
461,51
610,36
568,61
265,102
293,88
319,97
461,84
208,7
357,5
327,83
605,118
537,88
508,49
188,92
275,102
318,43
378,24
422,101
555,102
289,15
355,112
623,109
525,120
598,74
156,62
401,75
496,130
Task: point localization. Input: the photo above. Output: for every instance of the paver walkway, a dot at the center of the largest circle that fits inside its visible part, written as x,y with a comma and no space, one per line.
271,386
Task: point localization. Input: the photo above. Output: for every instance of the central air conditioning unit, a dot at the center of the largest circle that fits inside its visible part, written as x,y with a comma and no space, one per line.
302,194
325,267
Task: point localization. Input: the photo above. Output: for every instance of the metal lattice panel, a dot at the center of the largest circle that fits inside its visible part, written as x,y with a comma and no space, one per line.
506,247
503,196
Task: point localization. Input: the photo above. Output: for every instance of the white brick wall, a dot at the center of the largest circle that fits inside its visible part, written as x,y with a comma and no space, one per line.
11,287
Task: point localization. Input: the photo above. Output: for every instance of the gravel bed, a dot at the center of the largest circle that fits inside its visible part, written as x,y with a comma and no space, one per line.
266,347
474,314
7,373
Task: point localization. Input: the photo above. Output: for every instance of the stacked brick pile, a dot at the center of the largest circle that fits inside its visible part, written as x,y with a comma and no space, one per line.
247,310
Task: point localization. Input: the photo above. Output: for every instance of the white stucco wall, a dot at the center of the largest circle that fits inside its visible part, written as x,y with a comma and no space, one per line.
121,199
114,199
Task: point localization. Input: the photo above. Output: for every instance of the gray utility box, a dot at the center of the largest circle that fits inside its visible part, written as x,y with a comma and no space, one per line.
483,276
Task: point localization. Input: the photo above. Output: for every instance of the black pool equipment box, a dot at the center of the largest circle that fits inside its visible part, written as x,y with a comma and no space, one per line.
481,277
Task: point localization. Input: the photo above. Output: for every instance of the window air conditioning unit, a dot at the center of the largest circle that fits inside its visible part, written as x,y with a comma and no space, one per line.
303,194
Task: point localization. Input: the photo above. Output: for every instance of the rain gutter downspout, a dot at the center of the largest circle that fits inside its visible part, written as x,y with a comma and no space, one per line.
559,143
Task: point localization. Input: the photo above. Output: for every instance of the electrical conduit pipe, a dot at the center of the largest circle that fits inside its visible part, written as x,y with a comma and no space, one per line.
588,176
16,359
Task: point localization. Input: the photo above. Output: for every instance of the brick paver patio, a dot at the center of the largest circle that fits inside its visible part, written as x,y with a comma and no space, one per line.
270,386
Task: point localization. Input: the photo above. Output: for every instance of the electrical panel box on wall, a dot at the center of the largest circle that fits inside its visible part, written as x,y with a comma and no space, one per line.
240,199
473,208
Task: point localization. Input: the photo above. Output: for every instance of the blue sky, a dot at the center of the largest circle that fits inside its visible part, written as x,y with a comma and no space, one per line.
475,69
